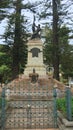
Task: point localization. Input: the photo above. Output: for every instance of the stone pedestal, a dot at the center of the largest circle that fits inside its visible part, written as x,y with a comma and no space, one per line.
35,58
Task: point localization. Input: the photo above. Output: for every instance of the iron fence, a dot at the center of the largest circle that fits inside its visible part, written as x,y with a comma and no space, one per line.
26,105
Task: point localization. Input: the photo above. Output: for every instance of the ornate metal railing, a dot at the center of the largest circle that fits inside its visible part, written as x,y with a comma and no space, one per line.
28,106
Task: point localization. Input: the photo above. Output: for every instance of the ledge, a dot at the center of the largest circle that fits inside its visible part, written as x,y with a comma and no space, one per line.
68,123
63,123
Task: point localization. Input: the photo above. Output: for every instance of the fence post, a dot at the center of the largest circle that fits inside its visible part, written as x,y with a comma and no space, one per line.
0,111
3,110
55,107
68,103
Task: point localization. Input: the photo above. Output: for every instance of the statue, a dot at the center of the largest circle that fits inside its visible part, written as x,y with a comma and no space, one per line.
36,30
33,25
34,76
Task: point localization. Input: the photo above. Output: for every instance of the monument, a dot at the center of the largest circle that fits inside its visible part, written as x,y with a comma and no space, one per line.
35,53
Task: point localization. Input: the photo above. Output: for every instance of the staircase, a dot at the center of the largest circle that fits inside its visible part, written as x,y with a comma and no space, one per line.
30,106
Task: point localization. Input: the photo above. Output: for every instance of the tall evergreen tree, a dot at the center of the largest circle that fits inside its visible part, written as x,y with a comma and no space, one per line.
16,35
17,39
55,19
65,51
3,5
55,52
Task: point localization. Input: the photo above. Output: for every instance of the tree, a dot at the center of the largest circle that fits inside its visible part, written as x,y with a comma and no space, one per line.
17,40
55,18
5,63
3,5
5,55
16,35
47,49
65,50
67,62
4,73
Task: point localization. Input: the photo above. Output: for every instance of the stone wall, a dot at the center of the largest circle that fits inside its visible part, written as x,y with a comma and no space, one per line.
63,123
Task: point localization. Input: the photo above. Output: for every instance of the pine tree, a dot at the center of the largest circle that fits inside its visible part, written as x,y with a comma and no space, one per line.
16,35
17,39
3,5
55,52
55,14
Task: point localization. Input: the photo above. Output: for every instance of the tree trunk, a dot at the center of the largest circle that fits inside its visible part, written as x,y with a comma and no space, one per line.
55,41
17,40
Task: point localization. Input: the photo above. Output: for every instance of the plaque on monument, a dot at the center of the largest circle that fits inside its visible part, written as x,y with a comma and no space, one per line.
35,52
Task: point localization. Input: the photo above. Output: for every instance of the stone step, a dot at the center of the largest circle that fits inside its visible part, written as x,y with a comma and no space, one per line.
35,129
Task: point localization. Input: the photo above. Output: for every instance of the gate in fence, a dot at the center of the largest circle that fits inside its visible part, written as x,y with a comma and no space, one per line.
28,106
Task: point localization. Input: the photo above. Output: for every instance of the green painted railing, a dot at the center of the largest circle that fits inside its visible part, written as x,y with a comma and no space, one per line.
55,108
3,110
68,104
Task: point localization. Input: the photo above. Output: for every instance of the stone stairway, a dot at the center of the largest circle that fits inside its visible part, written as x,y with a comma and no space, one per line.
32,129
30,105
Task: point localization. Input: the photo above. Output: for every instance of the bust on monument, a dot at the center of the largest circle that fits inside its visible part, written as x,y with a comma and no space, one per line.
34,76
36,30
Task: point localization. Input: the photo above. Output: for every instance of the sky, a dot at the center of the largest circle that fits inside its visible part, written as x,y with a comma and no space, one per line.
4,23
2,29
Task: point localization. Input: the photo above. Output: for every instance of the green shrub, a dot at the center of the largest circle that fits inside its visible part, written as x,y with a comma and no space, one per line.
61,105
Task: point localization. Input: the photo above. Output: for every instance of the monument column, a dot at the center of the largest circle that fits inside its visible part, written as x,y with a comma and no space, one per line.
35,58
35,53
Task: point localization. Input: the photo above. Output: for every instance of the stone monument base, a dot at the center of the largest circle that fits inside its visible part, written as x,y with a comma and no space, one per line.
40,70
35,58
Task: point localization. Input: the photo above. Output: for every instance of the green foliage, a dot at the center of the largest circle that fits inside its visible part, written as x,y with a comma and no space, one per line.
65,50
48,46
16,33
66,55
4,58
3,69
61,106
59,13
5,62
67,62
4,4
63,33
16,36
4,72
